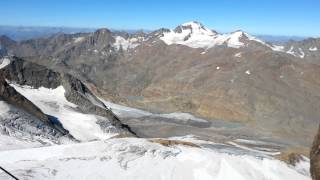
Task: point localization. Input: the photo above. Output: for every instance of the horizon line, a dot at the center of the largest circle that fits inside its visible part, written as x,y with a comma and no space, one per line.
148,30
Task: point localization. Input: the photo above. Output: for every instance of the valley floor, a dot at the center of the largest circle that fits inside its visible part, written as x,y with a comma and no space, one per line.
214,151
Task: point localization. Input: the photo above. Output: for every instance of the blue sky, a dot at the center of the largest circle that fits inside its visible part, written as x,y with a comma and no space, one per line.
274,17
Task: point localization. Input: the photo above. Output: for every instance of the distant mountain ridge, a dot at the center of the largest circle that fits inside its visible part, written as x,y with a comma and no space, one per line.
234,77
19,33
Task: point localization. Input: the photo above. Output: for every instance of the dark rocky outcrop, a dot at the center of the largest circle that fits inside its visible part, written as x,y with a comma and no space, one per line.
10,95
274,92
31,74
315,157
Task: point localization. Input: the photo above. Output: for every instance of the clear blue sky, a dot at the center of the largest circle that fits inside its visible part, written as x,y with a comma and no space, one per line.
275,17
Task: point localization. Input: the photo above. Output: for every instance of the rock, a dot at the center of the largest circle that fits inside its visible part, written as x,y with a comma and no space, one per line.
31,74
315,157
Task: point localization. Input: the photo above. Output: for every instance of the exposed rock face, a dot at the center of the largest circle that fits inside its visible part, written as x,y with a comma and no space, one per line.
315,157
27,73
308,49
251,82
24,120
10,95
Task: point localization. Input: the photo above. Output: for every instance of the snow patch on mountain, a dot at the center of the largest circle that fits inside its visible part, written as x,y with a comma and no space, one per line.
4,62
277,48
133,158
126,44
301,54
303,166
239,54
180,116
313,49
292,51
198,28
195,35
19,130
79,39
82,126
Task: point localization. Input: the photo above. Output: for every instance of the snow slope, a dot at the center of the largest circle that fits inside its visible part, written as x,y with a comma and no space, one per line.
313,48
19,130
4,62
126,44
82,126
132,158
195,35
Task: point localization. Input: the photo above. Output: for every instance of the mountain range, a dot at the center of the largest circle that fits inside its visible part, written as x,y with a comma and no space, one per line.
233,88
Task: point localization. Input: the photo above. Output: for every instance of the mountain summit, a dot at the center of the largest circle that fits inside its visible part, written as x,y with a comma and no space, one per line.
195,35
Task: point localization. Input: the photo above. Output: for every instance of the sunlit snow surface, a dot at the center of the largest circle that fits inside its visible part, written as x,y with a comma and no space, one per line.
195,35
133,158
313,49
4,62
53,102
136,158
126,44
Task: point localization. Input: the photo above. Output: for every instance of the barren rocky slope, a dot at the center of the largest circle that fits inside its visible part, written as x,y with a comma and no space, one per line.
231,77
36,104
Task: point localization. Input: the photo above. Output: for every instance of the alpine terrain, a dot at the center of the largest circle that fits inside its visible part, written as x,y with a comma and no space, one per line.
182,103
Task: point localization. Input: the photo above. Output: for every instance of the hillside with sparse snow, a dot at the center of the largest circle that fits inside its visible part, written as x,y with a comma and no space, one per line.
183,103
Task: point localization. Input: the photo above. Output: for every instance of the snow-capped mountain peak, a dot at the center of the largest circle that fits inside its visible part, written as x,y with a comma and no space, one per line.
195,28
195,35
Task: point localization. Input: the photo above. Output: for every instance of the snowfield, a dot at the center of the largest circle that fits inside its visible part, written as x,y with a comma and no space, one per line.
4,62
133,158
19,130
126,44
100,156
82,126
313,49
195,35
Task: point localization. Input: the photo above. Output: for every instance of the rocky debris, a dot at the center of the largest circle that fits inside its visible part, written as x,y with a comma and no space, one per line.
279,95
25,121
10,95
315,157
27,73
22,125
308,49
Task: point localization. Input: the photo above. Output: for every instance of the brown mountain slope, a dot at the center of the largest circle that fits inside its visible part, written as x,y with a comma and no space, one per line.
270,91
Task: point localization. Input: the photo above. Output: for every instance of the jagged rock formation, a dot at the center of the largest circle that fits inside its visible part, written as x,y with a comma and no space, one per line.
315,157
232,77
23,118
29,74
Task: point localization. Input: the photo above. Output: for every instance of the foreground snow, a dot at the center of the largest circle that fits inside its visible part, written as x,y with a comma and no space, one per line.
132,158
82,126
